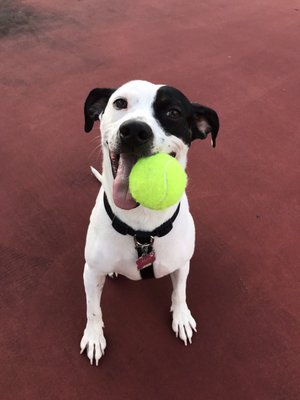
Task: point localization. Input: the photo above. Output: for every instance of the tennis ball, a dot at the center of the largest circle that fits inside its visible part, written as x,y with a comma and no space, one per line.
157,182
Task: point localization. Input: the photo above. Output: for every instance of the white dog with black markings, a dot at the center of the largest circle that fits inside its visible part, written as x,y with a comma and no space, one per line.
139,119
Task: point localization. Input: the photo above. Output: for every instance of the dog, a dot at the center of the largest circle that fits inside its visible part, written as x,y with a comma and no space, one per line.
137,120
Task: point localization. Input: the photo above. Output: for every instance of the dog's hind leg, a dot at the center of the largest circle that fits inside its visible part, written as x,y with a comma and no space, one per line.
183,323
93,339
113,275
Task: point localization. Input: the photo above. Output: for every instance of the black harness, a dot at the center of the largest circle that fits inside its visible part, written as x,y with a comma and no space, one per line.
143,240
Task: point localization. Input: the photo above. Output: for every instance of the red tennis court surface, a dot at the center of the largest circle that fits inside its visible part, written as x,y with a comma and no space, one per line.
241,58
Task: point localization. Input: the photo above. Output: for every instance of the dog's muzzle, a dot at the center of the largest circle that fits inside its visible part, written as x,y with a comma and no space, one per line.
135,140
135,134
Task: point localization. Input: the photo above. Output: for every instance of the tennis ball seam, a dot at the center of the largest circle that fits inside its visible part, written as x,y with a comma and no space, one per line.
165,182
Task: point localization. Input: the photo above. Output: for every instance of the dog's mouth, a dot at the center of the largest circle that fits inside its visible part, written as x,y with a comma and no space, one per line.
121,165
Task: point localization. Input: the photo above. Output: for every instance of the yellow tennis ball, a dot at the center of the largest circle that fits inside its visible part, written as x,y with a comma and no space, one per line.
157,182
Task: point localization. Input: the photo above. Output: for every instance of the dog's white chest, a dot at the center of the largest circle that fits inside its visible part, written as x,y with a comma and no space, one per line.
108,251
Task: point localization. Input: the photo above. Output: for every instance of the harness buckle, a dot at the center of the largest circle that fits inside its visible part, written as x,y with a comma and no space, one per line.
143,247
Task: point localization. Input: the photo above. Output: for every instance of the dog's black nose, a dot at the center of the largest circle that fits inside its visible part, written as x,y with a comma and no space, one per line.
135,133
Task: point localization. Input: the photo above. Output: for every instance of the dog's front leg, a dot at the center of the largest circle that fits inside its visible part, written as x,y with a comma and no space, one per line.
183,323
93,338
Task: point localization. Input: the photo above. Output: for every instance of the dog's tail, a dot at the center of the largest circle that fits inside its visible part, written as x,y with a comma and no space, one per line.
97,174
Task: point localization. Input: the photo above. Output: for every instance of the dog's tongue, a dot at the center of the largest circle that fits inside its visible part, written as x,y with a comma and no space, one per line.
121,194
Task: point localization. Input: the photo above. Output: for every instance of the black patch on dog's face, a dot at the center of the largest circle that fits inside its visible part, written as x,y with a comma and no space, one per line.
174,112
183,119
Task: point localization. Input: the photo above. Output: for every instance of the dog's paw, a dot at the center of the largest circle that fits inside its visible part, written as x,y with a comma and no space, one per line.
183,323
93,341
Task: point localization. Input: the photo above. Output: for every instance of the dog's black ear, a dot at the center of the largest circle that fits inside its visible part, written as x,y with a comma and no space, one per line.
94,105
206,121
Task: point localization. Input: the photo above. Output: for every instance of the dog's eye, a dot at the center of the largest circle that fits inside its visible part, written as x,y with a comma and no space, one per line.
174,113
120,104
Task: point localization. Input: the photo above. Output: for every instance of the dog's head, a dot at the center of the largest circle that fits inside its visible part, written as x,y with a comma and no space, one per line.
139,119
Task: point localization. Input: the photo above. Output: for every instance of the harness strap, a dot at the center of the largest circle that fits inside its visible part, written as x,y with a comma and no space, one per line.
125,229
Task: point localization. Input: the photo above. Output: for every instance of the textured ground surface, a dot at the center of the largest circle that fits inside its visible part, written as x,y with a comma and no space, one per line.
240,57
